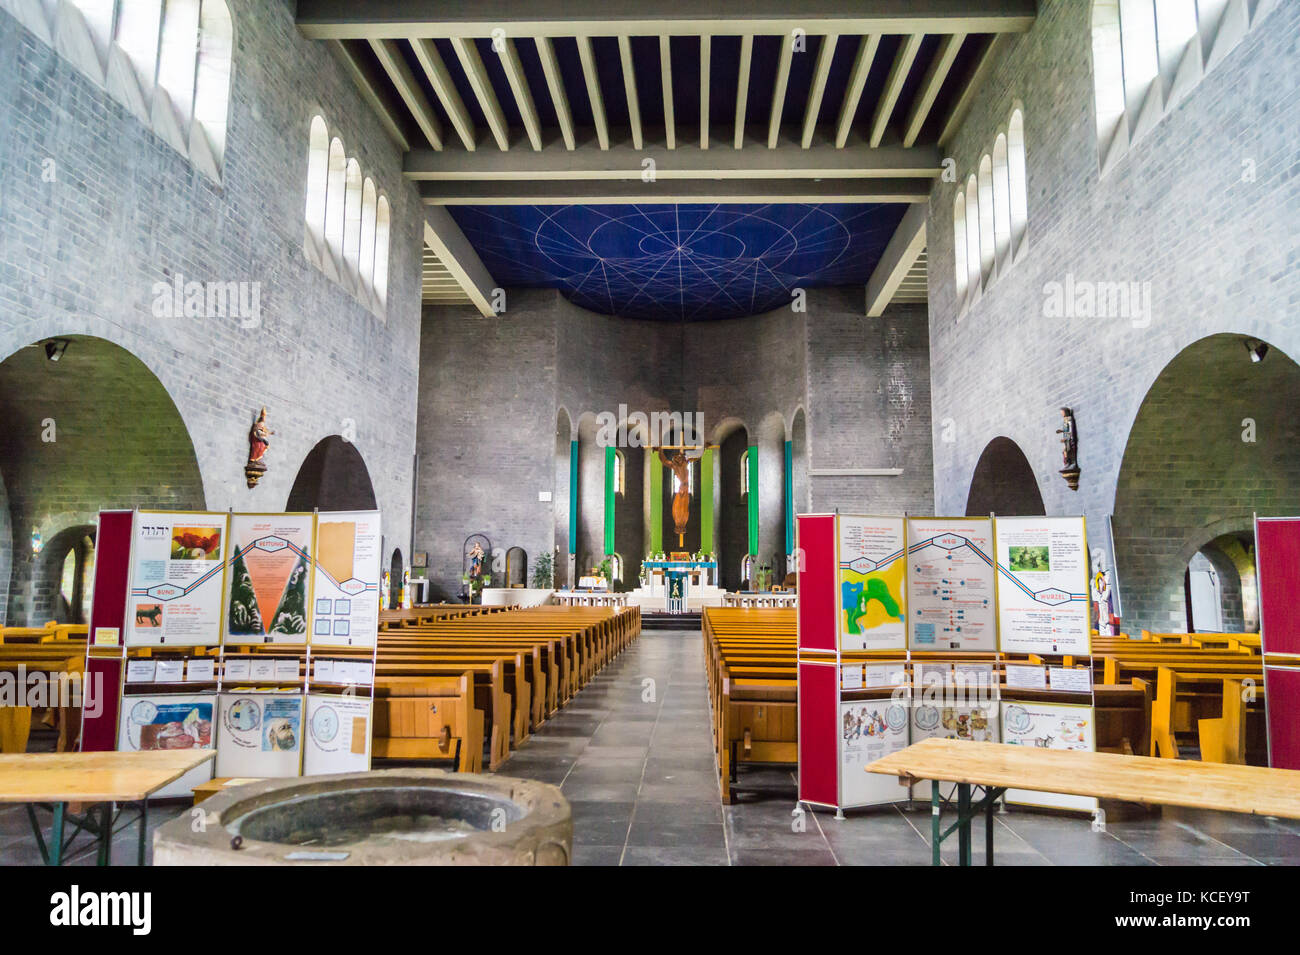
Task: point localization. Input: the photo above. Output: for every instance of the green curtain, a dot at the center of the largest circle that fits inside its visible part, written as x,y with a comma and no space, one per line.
656,503
610,455
573,497
789,497
706,501
753,499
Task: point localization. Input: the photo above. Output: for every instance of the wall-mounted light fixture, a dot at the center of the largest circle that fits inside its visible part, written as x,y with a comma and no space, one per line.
55,347
1257,349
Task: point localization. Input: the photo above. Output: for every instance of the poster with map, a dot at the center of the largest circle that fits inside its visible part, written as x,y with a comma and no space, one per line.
177,563
337,739
950,584
269,581
346,588
1049,726
871,582
169,721
870,729
1042,566
259,734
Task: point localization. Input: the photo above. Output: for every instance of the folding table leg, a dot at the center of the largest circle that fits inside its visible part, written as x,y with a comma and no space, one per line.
936,834
144,826
56,834
963,822
989,804
105,855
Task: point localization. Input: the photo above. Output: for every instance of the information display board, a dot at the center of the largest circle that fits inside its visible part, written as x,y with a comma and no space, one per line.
269,585
1042,588
177,572
1049,726
259,734
338,734
869,730
950,584
345,595
169,721
871,582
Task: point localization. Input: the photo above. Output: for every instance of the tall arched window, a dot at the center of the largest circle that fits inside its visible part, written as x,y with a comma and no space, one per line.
381,251
1016,185
368,235
987,253
212,80
1001,203
619,478
334,200
177,55
1108,77
744,473
972,237
615,569
317,187
959,245
352,222
1137,27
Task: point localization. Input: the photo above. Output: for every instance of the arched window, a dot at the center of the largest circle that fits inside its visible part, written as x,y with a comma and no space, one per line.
212,80
1137,28
615,569
619,481
987,254
972,237
1016,186
317,186
177,53
136,35
744,472
334,201
959,245
1001,203
352,221
1108,77
368,235
381,251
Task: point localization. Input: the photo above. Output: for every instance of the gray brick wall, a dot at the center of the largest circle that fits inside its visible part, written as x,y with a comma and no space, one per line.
1178,211
80,255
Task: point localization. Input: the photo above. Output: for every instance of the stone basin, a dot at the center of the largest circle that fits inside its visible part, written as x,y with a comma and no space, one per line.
385,817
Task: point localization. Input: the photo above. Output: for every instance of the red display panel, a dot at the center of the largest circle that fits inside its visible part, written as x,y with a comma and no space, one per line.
99,714
817,605
818,753
112,570
1277,556
1282,703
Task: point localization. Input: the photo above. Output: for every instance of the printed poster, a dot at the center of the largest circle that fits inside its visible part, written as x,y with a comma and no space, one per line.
1042,565
945,714
338,735
871,579
177,561
1049,726
950,584
169,721
269,580
869,730
346,589
259,735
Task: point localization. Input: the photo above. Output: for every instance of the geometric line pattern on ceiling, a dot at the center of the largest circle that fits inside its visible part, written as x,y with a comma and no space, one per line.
680,262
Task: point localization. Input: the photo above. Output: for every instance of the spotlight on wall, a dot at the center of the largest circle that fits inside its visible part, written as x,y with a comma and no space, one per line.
55,347
1257,349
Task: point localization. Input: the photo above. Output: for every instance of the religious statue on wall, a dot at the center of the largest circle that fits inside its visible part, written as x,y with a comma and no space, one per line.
1070,449
680,465
259,438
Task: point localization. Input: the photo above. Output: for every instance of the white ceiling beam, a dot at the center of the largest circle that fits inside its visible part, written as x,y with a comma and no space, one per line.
514,71
818,88
476,73
857,80
670,191
984,61
403,80
376,19
688,161
706,68
742,86
448,242
363,75
445,89
903,60
935,75
554,83
778,90
666,72
906,244
589,74
629,88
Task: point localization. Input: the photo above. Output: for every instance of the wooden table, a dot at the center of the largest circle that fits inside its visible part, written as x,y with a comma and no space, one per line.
997,767
53,780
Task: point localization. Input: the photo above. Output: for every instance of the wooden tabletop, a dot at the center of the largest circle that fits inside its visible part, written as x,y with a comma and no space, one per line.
94,777
1142,779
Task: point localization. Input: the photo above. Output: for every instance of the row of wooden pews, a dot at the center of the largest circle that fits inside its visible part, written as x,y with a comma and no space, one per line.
56,650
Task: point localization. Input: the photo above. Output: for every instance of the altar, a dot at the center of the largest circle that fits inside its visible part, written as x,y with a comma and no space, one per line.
677,586
699,573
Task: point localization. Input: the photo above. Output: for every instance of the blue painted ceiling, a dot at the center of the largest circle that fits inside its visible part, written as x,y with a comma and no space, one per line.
680,263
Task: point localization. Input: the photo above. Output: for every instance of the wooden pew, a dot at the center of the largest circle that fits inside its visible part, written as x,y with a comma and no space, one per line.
429,718
54,660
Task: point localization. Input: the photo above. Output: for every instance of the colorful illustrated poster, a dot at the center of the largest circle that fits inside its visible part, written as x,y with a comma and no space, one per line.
259,735
952,718
338,735
170,721
950,584
346,589
269,579
1049,726
176,575
1042,585
871,578
870,729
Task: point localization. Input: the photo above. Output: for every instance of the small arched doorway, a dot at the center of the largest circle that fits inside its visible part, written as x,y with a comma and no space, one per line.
1004,483
332,477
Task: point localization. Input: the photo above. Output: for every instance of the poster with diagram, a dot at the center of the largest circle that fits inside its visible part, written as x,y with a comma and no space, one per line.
337,739
165,722
1049,726
1042,590
952,715
345,593
269,581
870,729
177,564
950,584
259,735
871,582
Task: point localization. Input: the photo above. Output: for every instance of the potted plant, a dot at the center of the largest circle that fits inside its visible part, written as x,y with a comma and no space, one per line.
544,571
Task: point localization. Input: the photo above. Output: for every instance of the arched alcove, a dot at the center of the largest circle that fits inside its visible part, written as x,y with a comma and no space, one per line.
332,477
560,496
1214,442
1003,483
733,505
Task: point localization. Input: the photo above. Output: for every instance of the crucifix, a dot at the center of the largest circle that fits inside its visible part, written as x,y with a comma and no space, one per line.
679,463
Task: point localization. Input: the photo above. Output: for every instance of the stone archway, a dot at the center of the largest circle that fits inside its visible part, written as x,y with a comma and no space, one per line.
1003,483
332,477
